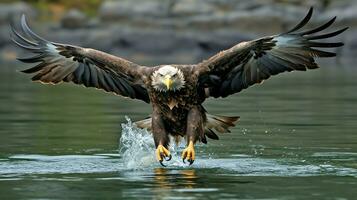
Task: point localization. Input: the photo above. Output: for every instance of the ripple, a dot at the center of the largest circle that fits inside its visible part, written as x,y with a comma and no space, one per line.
334,154
136,158
70,164
197,190
272,167
241,155
54,158
63,164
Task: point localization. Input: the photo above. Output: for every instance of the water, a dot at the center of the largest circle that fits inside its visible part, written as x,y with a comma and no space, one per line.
296,140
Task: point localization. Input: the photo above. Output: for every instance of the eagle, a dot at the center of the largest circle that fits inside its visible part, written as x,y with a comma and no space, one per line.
176,91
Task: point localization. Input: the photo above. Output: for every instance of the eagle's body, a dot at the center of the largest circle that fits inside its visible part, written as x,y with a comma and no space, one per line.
176,92
176,109
175,105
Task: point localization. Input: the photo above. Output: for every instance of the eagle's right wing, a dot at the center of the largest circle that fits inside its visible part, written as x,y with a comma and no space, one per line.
91,68
252,62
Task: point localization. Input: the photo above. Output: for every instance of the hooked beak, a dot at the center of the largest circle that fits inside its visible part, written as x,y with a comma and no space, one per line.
168,82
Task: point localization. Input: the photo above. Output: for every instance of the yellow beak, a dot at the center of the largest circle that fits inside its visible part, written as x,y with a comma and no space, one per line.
168,82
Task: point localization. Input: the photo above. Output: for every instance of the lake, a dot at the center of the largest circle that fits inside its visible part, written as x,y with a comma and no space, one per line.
296,139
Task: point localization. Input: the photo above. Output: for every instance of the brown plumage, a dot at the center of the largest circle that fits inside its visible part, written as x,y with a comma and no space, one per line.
177,92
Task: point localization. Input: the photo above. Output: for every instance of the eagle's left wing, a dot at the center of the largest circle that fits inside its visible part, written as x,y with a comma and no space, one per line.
251,62
84,66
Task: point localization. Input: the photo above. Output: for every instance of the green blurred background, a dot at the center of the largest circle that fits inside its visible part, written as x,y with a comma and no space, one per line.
162,31
296,138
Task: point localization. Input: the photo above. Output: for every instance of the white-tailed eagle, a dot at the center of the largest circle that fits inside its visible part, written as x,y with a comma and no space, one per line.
176,92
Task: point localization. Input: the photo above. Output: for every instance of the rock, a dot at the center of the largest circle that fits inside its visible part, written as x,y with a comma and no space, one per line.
181,31
350,40
340,4
307,3
9,53
233,5
346,16
4,35
128,9
260,21
149,46
74,19
12,12
191,7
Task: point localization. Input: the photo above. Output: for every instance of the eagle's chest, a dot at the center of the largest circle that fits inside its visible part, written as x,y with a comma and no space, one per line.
182,99
174,105
174,108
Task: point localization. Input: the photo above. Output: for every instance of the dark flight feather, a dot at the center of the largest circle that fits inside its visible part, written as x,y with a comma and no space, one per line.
303,22
320,28
60,62
251,62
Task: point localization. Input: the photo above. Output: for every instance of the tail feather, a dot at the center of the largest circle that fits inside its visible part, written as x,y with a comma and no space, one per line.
218,123
144,124
211,134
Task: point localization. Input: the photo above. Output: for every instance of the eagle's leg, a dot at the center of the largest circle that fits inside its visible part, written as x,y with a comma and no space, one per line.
193,132
161,138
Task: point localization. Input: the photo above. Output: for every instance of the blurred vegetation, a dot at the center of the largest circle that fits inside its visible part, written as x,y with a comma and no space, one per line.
54,9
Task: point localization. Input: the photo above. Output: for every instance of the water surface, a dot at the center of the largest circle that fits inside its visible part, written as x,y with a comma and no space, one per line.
296,140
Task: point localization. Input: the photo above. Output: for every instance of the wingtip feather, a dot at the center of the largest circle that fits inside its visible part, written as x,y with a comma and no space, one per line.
303,22
26,29
319,28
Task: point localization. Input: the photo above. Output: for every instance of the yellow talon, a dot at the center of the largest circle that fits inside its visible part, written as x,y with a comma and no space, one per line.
189,153
161,153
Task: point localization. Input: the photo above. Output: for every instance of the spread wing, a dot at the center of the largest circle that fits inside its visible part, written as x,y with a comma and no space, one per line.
251,62
61,62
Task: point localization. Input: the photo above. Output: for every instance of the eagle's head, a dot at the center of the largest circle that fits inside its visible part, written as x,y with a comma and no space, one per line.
167,78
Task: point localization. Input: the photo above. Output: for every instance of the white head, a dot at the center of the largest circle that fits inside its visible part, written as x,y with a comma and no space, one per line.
167,78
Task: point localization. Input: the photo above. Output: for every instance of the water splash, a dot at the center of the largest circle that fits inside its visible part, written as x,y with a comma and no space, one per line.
137,148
